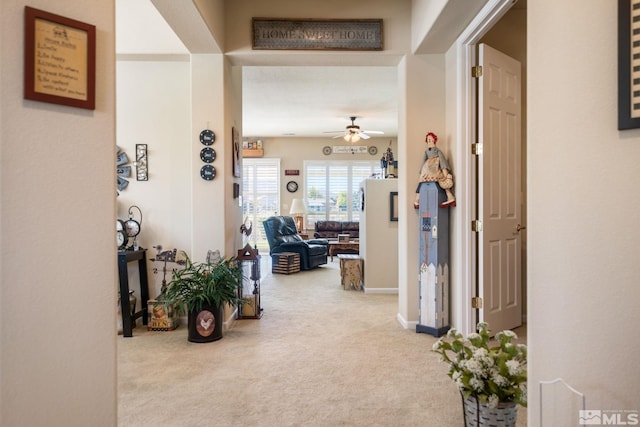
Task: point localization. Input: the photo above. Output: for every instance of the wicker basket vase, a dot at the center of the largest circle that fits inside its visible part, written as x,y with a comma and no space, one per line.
478,414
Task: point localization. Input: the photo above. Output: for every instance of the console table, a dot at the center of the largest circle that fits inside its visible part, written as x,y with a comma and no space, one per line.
336,248
124,258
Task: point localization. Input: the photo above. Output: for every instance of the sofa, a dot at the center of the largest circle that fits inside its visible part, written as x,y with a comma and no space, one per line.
283,236
331,229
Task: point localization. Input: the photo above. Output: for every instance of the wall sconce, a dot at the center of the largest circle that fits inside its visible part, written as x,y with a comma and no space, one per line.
298,209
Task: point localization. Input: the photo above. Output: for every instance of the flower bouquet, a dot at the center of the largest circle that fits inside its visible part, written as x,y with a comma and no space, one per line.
491,372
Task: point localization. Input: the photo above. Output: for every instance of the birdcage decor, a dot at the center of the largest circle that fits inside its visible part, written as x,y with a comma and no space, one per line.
250,289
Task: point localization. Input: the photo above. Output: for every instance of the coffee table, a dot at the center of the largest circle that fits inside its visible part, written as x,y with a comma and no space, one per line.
336,248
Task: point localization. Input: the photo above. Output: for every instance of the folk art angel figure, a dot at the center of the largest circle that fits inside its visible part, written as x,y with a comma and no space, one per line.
436,169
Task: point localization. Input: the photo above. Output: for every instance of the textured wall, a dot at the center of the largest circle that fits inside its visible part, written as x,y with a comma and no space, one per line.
57,205
583,204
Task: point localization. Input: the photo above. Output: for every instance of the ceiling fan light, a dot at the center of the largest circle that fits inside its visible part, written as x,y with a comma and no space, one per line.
355,137
347,137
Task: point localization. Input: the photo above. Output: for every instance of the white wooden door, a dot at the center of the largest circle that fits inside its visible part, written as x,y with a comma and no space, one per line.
500,182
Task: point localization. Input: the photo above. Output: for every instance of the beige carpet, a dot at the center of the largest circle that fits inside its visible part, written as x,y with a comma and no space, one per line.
320,356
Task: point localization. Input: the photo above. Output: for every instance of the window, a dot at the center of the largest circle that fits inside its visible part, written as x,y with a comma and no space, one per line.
331,189
260,196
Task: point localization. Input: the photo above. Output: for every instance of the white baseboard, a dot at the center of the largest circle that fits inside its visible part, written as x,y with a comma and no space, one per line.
406,324
381,290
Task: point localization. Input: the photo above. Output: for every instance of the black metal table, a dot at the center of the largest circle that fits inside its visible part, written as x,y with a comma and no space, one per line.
124,258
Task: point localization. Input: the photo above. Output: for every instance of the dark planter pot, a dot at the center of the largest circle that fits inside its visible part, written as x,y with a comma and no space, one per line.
205,325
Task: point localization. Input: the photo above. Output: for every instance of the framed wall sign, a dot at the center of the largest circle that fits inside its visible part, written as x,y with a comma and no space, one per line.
142,166
628,66
59,59
328,34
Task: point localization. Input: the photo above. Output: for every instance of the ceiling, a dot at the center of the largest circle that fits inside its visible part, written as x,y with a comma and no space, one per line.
308,101
294,101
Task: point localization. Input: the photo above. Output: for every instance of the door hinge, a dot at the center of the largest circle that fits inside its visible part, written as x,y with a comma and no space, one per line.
476,149
476,71
476,302
476,225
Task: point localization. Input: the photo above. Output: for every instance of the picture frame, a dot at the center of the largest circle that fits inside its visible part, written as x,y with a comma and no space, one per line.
142,166
344,238
302,34
235,149
59,60
393,206
628,67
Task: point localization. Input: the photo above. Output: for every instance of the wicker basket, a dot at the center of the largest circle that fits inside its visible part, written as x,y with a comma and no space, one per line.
478,414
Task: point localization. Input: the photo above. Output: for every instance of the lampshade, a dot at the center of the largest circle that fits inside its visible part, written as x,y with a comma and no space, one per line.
298,207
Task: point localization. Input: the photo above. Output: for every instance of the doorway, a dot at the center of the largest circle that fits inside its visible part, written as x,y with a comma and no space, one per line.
502,25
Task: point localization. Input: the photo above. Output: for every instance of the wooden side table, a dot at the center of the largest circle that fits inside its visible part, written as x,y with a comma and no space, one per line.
125,257
351,271
285,263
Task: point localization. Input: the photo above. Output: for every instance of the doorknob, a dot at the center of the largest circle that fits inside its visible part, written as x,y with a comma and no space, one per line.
520,227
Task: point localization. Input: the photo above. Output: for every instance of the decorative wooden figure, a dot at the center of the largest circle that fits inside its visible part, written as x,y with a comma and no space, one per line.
434,260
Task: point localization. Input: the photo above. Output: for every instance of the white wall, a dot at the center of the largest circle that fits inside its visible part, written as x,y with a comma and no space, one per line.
379,237
212,220
164,124
396,30
294,151
421,103
583,207
58,257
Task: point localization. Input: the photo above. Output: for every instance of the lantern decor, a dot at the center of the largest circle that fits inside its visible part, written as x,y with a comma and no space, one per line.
249,292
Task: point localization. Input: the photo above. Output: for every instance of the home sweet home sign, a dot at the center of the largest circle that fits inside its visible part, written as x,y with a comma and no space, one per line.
310,34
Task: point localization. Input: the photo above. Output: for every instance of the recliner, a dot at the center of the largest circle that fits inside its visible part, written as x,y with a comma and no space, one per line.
283,236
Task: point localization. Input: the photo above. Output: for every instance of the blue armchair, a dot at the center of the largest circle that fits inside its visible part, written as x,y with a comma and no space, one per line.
283,236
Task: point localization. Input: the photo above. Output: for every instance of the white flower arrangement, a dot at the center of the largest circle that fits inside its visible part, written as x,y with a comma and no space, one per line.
493,374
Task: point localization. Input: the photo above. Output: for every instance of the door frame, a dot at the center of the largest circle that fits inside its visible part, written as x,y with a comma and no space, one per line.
466,99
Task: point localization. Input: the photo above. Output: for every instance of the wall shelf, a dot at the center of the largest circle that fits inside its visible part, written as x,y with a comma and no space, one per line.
255,152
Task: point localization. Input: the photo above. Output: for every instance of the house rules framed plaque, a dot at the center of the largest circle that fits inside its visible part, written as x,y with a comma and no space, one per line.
59,59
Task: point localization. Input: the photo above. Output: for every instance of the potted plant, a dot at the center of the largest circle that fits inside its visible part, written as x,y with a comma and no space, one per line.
203,289
490,374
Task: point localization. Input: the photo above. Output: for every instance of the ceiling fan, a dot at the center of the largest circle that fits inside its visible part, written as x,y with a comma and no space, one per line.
352,132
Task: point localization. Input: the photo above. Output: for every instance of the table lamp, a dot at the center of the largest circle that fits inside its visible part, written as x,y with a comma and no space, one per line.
298,209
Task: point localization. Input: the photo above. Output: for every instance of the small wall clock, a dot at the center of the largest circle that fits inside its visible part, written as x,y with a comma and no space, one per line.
292,186
207,137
